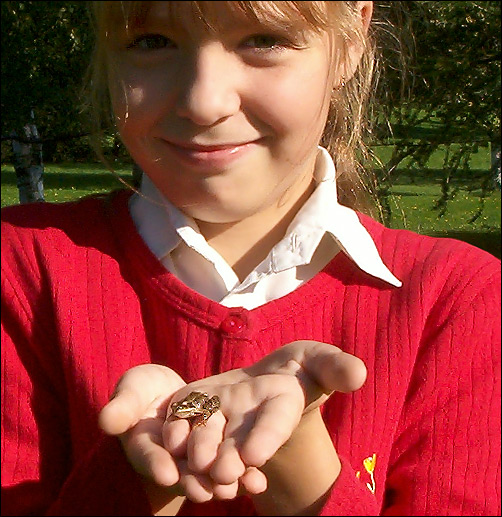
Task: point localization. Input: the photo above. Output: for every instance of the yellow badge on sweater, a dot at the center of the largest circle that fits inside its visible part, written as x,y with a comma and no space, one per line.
369,465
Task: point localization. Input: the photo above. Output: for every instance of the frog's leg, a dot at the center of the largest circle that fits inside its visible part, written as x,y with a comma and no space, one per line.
200,419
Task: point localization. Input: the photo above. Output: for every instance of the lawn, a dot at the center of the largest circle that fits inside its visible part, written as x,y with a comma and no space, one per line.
412,201
413,208
66,182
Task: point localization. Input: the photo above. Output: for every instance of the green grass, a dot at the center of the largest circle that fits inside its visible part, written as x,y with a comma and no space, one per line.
412,200
480,160
66,182
413,208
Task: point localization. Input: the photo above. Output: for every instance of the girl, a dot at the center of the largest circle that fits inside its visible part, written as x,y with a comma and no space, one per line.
335,367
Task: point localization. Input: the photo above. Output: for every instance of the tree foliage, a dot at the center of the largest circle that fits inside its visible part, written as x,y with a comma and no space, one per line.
449,97
454,71
45,49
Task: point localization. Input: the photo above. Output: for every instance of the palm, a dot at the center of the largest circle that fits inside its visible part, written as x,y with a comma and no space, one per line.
261,406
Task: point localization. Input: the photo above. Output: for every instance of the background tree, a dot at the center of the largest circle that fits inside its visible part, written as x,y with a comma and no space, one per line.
44,53
450,96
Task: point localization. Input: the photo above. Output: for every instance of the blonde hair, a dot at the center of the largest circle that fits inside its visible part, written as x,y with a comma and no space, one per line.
346,125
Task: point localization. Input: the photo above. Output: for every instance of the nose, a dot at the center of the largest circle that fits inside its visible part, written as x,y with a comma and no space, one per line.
208,89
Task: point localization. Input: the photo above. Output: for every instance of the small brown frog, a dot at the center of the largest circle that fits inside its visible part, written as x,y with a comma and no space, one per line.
196,406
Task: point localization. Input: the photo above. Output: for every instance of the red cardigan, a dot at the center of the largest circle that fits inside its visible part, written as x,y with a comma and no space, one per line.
83,300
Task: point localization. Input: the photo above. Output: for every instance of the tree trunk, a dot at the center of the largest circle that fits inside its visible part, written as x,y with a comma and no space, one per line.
29,167
495,162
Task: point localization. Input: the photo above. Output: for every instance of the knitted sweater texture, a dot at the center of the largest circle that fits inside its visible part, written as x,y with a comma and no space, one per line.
83,300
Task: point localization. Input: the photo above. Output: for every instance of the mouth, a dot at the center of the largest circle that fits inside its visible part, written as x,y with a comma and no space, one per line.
210,156
209,147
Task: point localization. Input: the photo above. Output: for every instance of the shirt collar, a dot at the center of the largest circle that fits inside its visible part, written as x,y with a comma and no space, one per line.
155,218
163,226
322,213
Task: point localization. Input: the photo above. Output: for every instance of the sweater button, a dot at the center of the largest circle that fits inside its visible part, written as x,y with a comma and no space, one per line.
232,324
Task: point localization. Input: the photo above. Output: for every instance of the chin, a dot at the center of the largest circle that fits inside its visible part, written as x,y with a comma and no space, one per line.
227,217
220,214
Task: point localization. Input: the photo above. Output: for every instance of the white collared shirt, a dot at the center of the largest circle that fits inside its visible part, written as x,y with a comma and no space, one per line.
321,229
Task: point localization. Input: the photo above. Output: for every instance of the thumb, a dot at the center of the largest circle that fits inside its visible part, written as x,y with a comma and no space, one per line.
140,392
326,365
333,369
325,369
321,369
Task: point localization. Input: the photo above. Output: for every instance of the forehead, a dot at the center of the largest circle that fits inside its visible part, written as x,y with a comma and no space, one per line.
221,15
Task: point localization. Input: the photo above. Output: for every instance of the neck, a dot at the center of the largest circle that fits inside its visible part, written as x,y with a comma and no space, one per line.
245,243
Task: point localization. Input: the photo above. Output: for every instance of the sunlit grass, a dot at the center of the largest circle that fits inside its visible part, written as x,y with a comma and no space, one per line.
414,207
66,182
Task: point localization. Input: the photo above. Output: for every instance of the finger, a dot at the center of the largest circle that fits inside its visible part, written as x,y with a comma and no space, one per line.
327,365
253,481
121,413
228,466
135,394
147,455
333,369
203,443
226,491
196,487
175,433
275,421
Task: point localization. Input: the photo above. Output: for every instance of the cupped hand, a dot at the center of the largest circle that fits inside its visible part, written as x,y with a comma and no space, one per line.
261,406
136,414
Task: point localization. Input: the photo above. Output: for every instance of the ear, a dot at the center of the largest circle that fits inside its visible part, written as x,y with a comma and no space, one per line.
365,12
355,50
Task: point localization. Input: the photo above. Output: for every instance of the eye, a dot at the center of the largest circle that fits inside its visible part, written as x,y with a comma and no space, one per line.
265,42
151,42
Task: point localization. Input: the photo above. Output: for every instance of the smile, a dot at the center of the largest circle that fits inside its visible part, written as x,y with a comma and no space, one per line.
209,156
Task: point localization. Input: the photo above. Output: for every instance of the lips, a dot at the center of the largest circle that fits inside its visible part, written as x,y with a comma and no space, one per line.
207,148
209,156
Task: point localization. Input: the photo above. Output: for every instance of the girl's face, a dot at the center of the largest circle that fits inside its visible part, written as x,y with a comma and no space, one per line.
226,125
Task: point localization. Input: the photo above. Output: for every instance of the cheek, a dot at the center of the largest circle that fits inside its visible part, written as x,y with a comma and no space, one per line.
295,105
128,105
136,100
